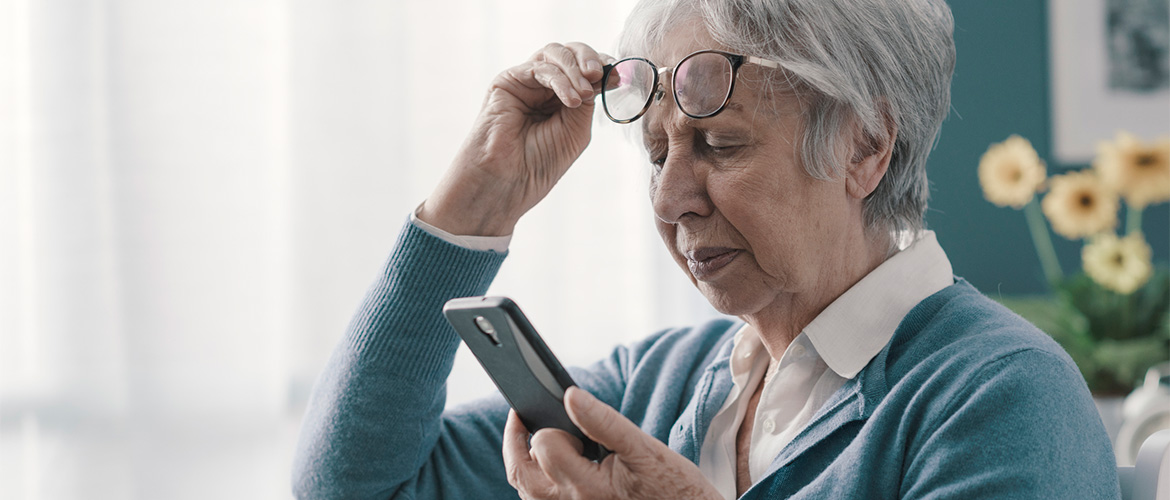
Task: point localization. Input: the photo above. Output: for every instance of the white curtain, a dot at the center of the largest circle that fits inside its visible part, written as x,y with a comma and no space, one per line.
195,195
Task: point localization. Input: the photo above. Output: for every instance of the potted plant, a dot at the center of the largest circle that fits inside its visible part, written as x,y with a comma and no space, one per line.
1113,315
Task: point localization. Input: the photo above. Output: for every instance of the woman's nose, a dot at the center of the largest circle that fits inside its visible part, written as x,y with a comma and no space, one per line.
678,191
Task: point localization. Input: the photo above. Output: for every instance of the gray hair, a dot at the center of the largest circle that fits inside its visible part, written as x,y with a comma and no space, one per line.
873,61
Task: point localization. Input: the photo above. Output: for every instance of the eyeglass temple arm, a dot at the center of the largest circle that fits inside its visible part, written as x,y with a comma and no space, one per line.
767,63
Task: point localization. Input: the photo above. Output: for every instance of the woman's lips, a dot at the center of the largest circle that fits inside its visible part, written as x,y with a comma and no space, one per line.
705,262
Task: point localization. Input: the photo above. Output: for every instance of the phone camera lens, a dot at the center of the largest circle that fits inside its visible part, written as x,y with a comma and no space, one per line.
487,328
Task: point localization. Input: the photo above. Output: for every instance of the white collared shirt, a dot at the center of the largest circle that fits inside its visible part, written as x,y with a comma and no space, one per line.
833,348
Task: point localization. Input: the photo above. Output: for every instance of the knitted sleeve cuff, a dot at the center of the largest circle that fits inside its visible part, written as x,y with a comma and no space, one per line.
400,321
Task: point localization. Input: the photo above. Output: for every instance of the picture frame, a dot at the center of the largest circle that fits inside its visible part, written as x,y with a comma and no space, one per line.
1109,71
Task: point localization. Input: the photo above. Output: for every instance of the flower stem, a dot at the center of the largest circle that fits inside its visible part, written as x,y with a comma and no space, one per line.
1043,243
1133,220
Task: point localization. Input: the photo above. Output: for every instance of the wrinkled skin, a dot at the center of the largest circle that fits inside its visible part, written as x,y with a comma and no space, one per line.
640,466
733,183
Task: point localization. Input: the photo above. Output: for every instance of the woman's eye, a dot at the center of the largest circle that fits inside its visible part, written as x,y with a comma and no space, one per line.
722,150
658,162
718,145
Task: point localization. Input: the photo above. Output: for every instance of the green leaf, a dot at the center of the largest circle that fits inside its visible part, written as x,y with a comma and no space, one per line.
1115,316
1112,338
1118,365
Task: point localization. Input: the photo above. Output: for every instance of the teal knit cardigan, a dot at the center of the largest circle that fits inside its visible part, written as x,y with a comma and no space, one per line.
966,401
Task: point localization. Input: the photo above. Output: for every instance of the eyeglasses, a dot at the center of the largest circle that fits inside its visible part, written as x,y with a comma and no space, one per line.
701,82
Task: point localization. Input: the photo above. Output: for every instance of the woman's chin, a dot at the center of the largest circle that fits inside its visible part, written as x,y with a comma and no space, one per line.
737,302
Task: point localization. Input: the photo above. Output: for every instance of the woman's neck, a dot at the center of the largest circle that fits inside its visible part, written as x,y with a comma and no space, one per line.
780,322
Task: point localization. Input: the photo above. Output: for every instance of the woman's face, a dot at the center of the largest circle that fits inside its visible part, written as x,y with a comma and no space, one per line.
732,200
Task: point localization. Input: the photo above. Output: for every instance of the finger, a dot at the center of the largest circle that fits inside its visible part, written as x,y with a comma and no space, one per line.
553,77
522,471
588,59
605,59
559,436
524,82
559,455
604,424
613,81
515,440
566,59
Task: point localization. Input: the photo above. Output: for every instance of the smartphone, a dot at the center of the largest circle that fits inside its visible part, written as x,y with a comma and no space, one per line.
518,361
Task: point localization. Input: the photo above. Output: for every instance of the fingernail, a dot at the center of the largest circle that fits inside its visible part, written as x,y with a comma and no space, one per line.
593,65
584,84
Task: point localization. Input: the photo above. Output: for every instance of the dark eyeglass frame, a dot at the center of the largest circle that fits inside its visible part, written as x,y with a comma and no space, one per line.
656,94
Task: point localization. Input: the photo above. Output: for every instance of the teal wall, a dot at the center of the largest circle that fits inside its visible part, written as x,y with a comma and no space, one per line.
1001,88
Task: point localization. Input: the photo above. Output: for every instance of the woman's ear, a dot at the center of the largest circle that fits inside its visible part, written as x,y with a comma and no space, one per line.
869,159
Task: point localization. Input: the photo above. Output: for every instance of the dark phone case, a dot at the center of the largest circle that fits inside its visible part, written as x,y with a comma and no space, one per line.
513,364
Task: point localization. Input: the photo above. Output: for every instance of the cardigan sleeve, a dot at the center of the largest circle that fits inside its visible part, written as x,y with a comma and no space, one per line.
375,413
375,426
1022,427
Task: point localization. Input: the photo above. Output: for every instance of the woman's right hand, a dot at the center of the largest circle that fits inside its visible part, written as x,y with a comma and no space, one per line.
534,123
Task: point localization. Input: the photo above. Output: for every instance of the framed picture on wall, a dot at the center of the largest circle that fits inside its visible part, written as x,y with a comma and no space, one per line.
1110,71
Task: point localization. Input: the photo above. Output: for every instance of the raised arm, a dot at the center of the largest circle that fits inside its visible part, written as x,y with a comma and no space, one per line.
374,413
373,428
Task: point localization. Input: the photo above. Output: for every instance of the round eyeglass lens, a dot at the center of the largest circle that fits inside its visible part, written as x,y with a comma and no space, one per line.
702,83
627,88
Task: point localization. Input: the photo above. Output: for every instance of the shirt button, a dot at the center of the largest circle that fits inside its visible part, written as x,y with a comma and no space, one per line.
798,350
769,426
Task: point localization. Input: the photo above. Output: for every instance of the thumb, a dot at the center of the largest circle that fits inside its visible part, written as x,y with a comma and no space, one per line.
604,424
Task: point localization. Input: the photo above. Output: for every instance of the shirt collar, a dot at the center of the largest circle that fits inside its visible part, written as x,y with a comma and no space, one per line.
856,326
745,347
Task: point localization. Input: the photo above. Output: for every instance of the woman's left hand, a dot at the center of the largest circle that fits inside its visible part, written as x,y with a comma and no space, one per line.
639,465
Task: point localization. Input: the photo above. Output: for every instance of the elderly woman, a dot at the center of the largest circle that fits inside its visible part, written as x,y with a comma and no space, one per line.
788,141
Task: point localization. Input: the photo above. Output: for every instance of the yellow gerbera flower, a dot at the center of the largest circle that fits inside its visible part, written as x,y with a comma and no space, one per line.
1011,172
1122,265
1139,171
1078,204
